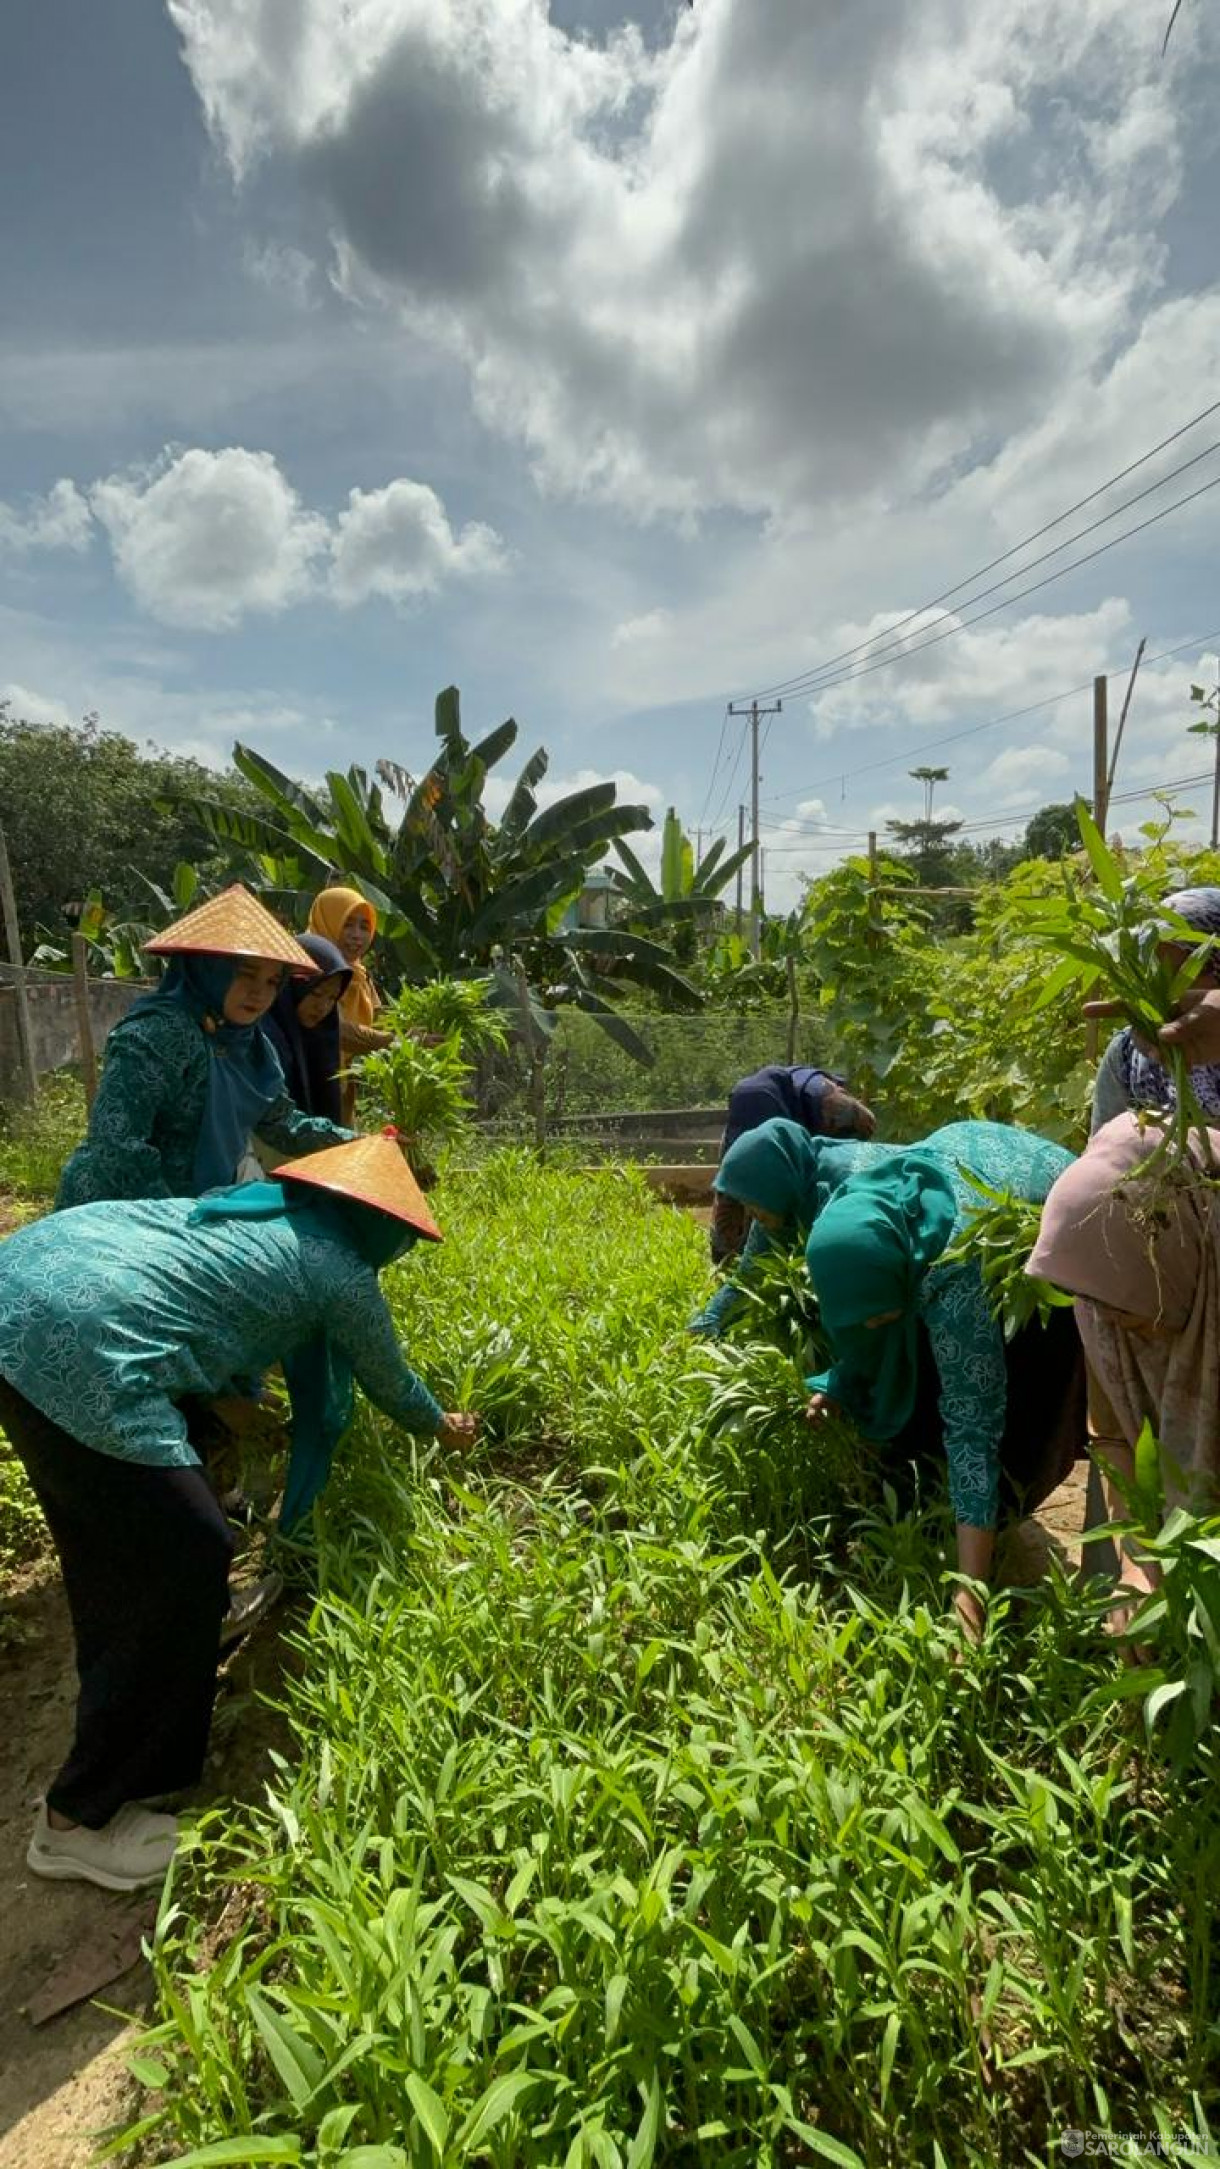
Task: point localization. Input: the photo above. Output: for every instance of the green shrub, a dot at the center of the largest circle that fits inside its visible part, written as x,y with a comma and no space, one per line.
35,1141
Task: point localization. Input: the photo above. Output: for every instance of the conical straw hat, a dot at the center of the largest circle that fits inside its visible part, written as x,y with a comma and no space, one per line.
372,1171
233,924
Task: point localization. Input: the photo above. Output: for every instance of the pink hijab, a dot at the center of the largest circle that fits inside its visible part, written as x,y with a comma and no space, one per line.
1096,1242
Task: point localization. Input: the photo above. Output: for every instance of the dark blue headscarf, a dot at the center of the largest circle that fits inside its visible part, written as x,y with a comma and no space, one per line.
244,1073
319,1376
790,1094
311,1058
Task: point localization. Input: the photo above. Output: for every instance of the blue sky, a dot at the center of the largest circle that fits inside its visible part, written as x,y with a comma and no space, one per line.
611,362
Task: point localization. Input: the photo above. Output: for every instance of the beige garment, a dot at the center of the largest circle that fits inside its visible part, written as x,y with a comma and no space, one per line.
1150,1247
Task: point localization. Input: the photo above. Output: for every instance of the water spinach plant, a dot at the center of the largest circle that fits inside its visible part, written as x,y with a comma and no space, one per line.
636,1810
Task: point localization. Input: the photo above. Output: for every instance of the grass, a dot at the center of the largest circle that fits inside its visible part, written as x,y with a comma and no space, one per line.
638,1809
35,1141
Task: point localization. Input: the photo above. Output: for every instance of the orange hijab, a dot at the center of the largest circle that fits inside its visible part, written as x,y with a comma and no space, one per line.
328,915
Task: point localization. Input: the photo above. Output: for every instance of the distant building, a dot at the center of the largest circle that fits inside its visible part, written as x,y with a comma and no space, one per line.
592,906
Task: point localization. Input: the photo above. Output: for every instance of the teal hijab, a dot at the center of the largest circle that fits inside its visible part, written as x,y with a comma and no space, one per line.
321,1390
778,1166
867,1255
244,1073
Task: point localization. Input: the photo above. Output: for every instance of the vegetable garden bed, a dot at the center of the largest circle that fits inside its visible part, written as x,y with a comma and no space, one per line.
638,1809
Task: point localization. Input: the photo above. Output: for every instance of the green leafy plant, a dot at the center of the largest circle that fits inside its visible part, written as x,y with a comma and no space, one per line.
444,1008
423,1091
35,1140
456,890
999,1236
1110,935
634,1810
1177,1628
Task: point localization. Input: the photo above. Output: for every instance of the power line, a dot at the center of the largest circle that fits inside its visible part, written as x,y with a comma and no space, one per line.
711,782
845,654
1008,820
887,648
726,796
972,730
1006,602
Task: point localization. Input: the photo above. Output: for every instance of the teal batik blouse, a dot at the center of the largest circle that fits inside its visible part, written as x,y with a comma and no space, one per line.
110,1313
144,1127
967,1341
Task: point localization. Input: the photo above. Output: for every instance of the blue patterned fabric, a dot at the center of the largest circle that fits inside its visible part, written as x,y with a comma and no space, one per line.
318,1372
111,1313
967,1341
244,1076
145,1124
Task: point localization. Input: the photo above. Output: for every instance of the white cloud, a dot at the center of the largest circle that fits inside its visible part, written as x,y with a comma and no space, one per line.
204,539
210,536
633,632
283,270
397,542
22,702
58,521
942,665
1021,769
646,309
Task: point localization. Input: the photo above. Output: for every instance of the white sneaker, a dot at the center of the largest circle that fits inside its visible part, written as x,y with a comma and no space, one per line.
133,1848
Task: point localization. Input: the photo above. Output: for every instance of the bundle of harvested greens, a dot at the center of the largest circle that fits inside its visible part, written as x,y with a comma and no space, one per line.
1115,939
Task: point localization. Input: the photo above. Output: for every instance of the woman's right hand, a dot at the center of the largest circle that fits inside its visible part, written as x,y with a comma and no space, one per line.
1194,1030
458,1429
820,1408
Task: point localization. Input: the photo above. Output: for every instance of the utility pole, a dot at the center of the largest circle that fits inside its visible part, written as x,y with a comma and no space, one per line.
755,714
741,837
1204,699
1101,753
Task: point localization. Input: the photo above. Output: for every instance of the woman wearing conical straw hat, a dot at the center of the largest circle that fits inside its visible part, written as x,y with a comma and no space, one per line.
190,1076
108,1315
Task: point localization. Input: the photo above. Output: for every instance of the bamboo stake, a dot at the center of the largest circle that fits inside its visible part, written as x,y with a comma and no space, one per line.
84,1022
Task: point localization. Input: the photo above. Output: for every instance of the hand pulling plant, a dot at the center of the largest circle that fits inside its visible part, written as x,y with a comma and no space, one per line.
1111,937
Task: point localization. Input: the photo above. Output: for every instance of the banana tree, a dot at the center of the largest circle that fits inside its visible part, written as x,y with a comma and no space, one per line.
457,891
686,892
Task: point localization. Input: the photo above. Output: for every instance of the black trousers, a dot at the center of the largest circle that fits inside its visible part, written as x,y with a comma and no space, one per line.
145,1555
1046,1420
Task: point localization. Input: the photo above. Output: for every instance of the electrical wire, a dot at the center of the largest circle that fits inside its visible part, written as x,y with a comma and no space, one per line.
962,625
888,649
1009,820
1015,550
972,730
711,783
